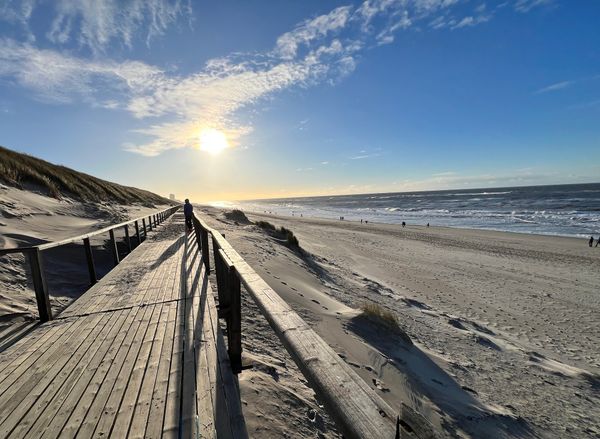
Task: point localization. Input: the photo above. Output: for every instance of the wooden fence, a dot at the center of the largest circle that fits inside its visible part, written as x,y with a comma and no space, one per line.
356,408
34,253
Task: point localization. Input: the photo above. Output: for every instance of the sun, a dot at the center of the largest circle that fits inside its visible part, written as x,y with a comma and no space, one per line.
213,141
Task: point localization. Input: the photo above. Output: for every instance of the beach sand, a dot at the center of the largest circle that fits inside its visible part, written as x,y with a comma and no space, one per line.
504,327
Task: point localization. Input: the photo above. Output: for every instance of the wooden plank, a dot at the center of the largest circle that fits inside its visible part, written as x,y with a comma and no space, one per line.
84,418
65,400
43,371
159,395
22,349
31,407
104,404
78,402
14,378
142,409
172,408
130,372
130,397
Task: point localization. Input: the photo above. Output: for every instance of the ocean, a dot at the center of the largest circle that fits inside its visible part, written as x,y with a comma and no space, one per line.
566,210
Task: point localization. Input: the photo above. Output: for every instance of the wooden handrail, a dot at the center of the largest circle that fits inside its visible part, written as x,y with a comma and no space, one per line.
34,256
356,408
74,239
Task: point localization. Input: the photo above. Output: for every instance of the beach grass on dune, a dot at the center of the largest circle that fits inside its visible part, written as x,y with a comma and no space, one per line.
379,314
283,232
57,181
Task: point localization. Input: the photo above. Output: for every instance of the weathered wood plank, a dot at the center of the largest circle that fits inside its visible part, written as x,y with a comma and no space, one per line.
36,405
68,396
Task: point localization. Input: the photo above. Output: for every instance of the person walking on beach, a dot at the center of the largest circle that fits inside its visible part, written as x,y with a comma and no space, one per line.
591,241
188,211
403,224
598,242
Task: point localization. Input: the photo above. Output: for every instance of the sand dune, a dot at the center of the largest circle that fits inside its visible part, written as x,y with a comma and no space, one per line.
504,326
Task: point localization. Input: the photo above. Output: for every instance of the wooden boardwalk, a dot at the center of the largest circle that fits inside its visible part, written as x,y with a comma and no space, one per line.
140,354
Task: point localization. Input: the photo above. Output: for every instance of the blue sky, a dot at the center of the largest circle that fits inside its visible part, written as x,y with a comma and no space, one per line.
314,97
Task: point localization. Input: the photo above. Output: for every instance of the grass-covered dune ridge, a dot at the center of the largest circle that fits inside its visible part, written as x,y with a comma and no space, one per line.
19,170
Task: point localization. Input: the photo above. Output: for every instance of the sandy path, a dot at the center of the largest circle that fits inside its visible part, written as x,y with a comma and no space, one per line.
506,325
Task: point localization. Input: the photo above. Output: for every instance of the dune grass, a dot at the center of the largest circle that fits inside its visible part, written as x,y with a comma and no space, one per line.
282,233
379,314
21,170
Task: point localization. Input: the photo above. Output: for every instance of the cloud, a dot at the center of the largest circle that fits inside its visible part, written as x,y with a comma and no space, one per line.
528,5
98,23
310,30
173,107
557,86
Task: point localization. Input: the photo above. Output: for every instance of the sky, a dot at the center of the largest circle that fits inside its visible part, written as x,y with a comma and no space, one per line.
310,97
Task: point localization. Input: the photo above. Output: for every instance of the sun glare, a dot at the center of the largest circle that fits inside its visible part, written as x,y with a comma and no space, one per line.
213,141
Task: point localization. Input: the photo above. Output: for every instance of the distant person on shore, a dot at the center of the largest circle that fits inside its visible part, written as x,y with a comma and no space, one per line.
188,211
403,224
598,242
427,224
591,241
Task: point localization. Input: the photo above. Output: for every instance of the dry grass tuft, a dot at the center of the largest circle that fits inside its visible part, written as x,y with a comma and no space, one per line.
379,314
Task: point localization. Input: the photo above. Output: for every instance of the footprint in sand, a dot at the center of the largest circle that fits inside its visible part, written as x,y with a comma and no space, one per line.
354,364
316,301
369,368
283,283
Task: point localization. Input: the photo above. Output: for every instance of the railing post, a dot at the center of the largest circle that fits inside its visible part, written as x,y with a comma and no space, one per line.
137,233
222,290
39,285
127,238
197,232
144,226
90,261
234,324
150,222
113,247
204,235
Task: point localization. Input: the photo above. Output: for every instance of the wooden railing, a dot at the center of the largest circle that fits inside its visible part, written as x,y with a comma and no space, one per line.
357,409
34,253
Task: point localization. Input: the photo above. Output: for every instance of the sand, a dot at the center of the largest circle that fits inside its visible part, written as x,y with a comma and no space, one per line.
29,218
505,327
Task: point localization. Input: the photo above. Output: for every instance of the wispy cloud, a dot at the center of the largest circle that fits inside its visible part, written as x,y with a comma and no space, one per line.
566,84
528,5
364,154
176,106
557,86
96,24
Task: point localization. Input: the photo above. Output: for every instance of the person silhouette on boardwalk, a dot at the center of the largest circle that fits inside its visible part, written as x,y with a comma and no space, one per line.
188,211
591,241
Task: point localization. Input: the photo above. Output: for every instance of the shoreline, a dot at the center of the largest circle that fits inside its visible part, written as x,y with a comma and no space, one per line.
413,226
